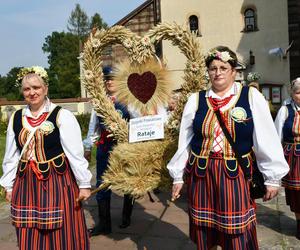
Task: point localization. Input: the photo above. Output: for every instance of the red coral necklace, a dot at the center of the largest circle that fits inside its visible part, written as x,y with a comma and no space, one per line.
37,121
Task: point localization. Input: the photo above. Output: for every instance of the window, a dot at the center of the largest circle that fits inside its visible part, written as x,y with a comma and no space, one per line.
250,20
272,92
194,24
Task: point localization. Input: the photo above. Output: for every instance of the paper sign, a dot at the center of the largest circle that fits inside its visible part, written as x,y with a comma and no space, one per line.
146,128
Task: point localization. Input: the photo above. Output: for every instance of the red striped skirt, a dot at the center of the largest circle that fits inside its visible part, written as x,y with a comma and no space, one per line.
291,181
45,212
220,203
206,238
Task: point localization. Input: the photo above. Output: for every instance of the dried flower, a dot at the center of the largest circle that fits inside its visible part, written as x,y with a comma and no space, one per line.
253,76
174,125
113,126
146,41
127,43
88,74
179,35
96,43
193,66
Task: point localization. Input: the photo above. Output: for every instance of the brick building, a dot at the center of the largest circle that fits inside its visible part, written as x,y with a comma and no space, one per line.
139,21
248,27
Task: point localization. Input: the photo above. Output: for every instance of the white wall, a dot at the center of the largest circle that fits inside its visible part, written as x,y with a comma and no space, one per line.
221,23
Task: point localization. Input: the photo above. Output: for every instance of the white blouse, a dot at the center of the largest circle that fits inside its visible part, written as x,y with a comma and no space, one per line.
266,143
70,138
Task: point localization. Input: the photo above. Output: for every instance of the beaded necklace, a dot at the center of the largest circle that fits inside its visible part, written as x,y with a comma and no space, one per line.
219,103
37,121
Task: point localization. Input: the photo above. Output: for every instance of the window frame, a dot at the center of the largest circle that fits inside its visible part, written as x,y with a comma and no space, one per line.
196,19
250,19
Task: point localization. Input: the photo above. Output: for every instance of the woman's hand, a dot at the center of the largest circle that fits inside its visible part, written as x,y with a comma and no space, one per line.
8,196
271,192
84,194
176,191
87,155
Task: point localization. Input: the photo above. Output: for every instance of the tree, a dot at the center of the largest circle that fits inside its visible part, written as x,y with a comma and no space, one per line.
64,70
2,86
63,49
97,22
8,89
78,23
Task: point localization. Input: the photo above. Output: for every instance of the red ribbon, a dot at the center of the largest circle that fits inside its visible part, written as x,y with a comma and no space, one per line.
103,138
32,164
219,103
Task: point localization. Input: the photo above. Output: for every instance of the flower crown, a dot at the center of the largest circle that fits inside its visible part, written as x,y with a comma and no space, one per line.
40,71
220,55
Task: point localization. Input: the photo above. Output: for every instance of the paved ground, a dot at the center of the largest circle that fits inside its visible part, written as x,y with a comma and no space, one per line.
164,226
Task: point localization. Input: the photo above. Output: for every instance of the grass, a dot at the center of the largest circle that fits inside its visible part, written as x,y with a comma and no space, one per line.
92,165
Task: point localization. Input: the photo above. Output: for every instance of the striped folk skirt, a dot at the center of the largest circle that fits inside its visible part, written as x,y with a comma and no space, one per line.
45,212
220,209
291,181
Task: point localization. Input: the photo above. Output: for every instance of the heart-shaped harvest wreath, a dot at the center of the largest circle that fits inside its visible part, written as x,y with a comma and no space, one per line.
140,167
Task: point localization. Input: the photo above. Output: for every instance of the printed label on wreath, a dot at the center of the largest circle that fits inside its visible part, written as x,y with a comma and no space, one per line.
146,128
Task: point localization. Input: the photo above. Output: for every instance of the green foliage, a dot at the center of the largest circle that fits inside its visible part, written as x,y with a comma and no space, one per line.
3,127
83,120
64,70
97,22
78,23
7,85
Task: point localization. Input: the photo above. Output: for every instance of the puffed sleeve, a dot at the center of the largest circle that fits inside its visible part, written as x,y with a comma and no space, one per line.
11,158
71,141
280,119
178,162
266,142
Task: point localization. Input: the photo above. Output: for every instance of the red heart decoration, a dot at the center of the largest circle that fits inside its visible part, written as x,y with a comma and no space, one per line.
142,86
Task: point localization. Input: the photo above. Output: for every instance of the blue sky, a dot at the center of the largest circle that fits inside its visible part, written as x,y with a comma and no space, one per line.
24,25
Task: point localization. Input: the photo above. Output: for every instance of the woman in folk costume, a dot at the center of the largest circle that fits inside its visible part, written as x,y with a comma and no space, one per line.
221,211
288,127
42,165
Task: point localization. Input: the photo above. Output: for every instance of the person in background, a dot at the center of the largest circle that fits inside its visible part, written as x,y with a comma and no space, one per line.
173,101
42,165
287,123
271,107
221,211
98,133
